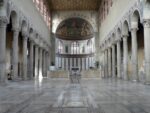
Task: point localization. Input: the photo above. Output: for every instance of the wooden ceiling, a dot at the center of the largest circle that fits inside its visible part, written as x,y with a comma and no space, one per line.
66,5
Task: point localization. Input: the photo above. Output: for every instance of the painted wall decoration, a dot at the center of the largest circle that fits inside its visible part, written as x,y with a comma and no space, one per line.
74,29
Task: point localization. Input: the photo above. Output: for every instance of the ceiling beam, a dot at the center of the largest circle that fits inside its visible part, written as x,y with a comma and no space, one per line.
67,5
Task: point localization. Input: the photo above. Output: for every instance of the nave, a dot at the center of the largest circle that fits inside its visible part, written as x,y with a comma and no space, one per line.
60,96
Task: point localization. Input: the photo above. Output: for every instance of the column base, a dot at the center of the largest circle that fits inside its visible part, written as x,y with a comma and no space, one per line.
24,79
17,79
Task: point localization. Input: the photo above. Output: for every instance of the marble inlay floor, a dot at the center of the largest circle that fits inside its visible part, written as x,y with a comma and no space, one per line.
59,96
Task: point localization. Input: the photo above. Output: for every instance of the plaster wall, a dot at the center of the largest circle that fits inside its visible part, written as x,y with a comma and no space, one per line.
29,9
116,12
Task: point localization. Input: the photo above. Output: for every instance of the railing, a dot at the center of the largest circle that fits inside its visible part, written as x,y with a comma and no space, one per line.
75,55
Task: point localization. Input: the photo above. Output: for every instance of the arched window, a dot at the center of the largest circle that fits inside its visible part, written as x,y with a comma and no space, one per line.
60,47
66,49
75,48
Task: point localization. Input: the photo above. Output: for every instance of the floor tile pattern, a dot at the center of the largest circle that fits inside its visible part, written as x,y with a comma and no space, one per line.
60,96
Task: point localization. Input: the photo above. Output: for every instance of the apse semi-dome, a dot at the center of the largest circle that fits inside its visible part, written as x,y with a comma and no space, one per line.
74,29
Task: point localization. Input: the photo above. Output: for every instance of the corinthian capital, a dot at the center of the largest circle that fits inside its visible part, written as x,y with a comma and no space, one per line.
25,34
125,36
146,23
134,26
3,20
16,29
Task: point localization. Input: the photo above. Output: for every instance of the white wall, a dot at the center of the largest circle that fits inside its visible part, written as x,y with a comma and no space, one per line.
117,11
28,8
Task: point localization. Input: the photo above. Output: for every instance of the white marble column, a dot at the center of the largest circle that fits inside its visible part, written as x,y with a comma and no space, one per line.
79,64
90,61
87,63
31,59
56,62
113,61
15,53
93,60
83,63
67,64
3,24
75,62
62,63
134,55
125,56
60,59
106,63
103,63
59,62
48,61
118,59
109,62
25,38
147,49
40,63
44,63
47,65
36,61
71,63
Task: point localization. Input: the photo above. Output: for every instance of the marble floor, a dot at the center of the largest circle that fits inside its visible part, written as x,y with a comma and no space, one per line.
90,96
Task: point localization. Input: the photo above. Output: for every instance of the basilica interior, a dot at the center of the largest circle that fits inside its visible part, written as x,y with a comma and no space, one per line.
74,56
